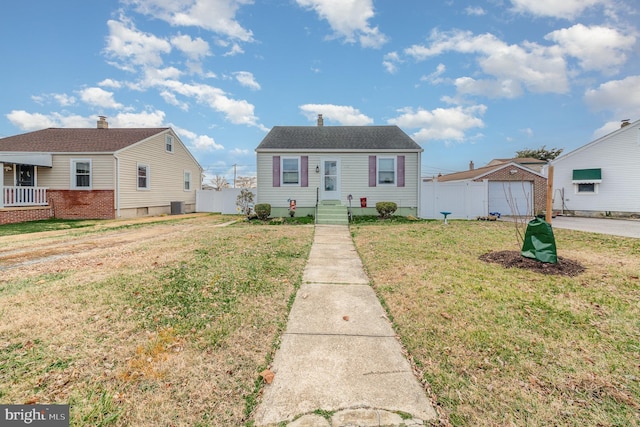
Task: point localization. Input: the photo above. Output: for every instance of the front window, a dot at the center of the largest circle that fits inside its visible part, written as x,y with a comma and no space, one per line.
143,177
81,174
386,170
187,181
291,171
168,142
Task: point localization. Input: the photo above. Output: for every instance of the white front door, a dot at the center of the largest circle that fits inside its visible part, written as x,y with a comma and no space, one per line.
330,179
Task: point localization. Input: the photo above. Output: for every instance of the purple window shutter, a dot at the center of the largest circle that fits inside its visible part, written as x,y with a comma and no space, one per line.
372,171
276,171
400,171
304,171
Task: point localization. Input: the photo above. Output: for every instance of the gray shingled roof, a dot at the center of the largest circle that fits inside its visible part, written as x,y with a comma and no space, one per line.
366,138
56,140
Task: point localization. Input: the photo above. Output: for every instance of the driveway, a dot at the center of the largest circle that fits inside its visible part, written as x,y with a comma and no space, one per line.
616,227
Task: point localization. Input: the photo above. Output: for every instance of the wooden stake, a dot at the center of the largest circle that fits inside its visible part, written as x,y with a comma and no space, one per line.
549,195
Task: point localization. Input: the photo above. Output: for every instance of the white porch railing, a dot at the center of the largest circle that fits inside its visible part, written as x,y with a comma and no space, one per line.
23,196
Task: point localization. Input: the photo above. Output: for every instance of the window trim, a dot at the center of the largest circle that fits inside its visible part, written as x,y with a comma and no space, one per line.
379,170
298,171
148,177
74,174
169,143
185,181
595,188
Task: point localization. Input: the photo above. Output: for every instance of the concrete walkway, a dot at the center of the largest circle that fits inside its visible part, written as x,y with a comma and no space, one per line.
339,356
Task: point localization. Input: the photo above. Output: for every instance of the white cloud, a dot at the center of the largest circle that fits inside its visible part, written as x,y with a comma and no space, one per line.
148,119
241,152
133,48
30,121
446,124
236,49
170,98
390,62
434,78
218,16
61,99
475,11
596,47
200,142
619,96
98,97
246,79
114,84
195,49
537,68
348,19
342,114
568,9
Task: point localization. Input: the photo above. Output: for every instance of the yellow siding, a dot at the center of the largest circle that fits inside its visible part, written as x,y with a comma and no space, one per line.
166,174
354,180
58,177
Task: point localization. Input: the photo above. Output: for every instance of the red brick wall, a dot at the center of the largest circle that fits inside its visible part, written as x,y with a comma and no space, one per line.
539,185
14,215
81,204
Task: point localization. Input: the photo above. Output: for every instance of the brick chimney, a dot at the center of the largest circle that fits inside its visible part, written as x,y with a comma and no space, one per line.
624,123
471,165
102,122
320,120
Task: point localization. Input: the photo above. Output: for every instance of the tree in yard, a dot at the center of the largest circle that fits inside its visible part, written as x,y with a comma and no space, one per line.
245,202
246,182
541,153
219,182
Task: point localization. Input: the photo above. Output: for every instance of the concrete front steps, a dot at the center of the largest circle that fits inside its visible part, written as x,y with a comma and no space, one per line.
332,212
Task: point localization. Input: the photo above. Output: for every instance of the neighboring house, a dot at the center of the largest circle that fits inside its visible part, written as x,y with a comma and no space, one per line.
355,166
97,173
510,189
529,162
600,178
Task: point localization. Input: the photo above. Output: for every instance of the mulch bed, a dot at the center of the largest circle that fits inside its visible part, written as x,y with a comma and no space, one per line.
511,259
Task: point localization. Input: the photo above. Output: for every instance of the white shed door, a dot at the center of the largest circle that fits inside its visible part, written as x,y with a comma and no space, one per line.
511,197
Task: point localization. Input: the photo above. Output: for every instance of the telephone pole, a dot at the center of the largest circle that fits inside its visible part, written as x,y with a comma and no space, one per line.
235,166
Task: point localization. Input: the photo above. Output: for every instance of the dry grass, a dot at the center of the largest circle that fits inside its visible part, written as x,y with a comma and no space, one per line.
507,346
164,324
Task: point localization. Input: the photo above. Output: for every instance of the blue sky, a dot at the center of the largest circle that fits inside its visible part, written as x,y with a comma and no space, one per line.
467,80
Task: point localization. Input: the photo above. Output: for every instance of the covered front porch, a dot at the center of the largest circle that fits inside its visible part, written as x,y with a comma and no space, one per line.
19,180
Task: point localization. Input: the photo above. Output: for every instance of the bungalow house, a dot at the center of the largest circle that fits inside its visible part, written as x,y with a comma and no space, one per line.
505,186
99,173
324,170
600,178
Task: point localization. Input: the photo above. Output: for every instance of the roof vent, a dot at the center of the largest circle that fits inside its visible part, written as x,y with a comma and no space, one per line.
320,120
102,122
624,123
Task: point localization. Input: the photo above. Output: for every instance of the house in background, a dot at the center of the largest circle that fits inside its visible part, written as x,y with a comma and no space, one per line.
333,167
99,173
505,186
601,178
529,162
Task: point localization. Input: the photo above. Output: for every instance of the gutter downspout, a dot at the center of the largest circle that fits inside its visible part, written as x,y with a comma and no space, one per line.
117,198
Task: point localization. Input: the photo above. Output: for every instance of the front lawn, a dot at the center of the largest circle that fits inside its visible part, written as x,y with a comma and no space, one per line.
509,346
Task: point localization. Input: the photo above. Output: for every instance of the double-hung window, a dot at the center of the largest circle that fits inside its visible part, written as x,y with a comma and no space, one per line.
386,170
144,182
290,171
81,174
168,143
187,180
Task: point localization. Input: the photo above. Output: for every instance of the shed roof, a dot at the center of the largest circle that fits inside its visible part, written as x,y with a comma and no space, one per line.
360,138
76,140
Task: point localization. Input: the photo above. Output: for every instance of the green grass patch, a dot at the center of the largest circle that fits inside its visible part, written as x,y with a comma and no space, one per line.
505,346
44,225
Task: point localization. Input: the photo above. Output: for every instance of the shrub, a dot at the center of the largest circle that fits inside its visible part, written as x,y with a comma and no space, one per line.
263,210
386,209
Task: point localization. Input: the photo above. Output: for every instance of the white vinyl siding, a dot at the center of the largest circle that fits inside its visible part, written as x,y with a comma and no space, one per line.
354,178
59,177
617,156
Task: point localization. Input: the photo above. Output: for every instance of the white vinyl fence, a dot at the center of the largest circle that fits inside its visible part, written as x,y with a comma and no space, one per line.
219,201
464,199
